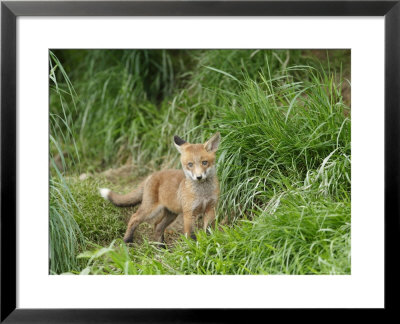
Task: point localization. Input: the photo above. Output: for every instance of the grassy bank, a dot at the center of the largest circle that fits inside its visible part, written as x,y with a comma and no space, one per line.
283,164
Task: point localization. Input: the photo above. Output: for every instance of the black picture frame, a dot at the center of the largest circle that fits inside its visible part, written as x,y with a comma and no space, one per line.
10,10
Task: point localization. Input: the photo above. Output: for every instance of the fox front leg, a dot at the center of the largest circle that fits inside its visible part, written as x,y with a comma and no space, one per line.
188,224
209,217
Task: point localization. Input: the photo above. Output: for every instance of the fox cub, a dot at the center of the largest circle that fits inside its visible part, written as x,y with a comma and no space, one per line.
164,194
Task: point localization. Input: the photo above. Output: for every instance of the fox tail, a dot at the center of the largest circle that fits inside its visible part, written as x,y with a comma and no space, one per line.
130,199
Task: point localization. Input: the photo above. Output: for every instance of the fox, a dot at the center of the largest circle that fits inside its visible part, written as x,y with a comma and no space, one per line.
163,195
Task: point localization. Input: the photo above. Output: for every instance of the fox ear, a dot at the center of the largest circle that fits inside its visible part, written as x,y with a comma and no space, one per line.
212,144
178,142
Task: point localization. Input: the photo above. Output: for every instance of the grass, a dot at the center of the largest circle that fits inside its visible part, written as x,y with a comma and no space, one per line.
283,164
292,240
98,219
66,239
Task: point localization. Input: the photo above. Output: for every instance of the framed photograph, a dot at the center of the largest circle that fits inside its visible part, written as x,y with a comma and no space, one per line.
162,158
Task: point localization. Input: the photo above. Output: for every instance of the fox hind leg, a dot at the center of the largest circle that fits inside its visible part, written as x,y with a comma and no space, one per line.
160,227
143,213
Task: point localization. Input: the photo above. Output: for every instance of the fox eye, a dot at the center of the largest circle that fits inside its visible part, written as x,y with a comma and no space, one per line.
190,164
204,162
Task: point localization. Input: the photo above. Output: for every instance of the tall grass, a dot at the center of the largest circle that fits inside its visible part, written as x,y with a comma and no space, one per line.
65,237
120,92
283,164
275,133
118,115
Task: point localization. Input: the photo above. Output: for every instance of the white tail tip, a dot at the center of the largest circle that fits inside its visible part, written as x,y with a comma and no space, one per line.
104,192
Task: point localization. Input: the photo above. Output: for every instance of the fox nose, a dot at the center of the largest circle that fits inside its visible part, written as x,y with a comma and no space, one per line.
199,177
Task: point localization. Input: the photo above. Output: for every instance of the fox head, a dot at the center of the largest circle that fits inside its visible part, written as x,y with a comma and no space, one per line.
198,160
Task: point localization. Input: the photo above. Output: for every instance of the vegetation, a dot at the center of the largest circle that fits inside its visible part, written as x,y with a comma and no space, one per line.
284,162
66,238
